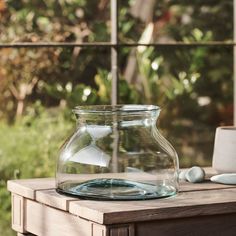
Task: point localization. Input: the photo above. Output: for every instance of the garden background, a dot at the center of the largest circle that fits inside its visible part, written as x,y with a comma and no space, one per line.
189,78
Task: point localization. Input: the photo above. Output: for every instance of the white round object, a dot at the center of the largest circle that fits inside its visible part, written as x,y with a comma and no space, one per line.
195,174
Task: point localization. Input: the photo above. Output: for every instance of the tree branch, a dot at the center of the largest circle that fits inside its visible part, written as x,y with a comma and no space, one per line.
14,91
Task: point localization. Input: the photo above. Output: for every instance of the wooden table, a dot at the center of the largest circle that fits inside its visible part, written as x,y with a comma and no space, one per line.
199,209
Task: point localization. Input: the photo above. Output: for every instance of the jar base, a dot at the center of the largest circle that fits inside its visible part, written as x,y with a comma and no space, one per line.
115,189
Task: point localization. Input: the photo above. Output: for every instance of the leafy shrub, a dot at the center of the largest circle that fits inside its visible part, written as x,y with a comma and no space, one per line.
29,149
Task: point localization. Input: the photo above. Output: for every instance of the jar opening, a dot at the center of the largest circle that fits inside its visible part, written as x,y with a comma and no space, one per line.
120,109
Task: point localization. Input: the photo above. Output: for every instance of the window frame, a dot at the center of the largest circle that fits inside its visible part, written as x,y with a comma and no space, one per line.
114,46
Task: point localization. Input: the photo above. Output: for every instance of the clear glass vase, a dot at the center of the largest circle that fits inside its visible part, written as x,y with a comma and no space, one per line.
117,153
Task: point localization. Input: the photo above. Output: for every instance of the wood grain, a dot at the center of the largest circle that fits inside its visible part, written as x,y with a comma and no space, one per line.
124,231
27,187
218,225
194,199
185,204
99,230
18,206
46,221
199,209
121,230
52,198
204,186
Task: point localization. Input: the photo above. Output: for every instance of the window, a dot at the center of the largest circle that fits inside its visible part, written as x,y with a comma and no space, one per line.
172,53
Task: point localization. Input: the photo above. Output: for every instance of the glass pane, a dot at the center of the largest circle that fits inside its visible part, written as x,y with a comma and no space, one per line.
52,76
54,21
38,89
168,21
194,88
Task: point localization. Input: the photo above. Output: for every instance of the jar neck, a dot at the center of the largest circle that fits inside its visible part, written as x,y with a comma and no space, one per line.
120,115
117,120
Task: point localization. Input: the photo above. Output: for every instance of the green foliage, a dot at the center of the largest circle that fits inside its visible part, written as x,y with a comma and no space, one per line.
35,69
127,93
5,210
29,149
32,140
54,21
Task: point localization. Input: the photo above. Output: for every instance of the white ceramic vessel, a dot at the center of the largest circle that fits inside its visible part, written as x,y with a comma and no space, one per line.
224,154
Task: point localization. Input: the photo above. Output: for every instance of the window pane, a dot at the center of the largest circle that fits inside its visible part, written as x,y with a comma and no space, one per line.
54,21
166,21
52,77
38,88
194,88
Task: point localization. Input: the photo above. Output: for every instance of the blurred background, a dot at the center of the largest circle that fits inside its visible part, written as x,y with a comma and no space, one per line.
185,66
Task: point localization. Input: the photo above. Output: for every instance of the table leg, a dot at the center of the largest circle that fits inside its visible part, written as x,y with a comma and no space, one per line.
121,230
18,211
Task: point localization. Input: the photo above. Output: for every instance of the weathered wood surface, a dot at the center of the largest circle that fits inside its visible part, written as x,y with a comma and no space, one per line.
217,225
48,221
51,198
27,187
30,187
18,206
194,199
186,204
122,230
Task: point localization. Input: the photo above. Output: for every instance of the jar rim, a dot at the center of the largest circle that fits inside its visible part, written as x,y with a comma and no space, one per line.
110,109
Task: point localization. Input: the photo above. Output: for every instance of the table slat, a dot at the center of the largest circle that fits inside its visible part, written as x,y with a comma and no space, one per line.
27,187
52,198
185,204
206,185
190,196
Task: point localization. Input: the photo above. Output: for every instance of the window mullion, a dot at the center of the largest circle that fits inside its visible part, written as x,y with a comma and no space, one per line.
114,52
234,69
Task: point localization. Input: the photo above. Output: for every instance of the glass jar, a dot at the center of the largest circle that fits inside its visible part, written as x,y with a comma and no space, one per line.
117,153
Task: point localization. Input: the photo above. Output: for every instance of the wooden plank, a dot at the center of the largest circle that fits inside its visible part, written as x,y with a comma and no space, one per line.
121,230
194,199
27,187
185,204
52,198
95,215
206,185
218,225
47,221
43,191
99,230
18,205
209,172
